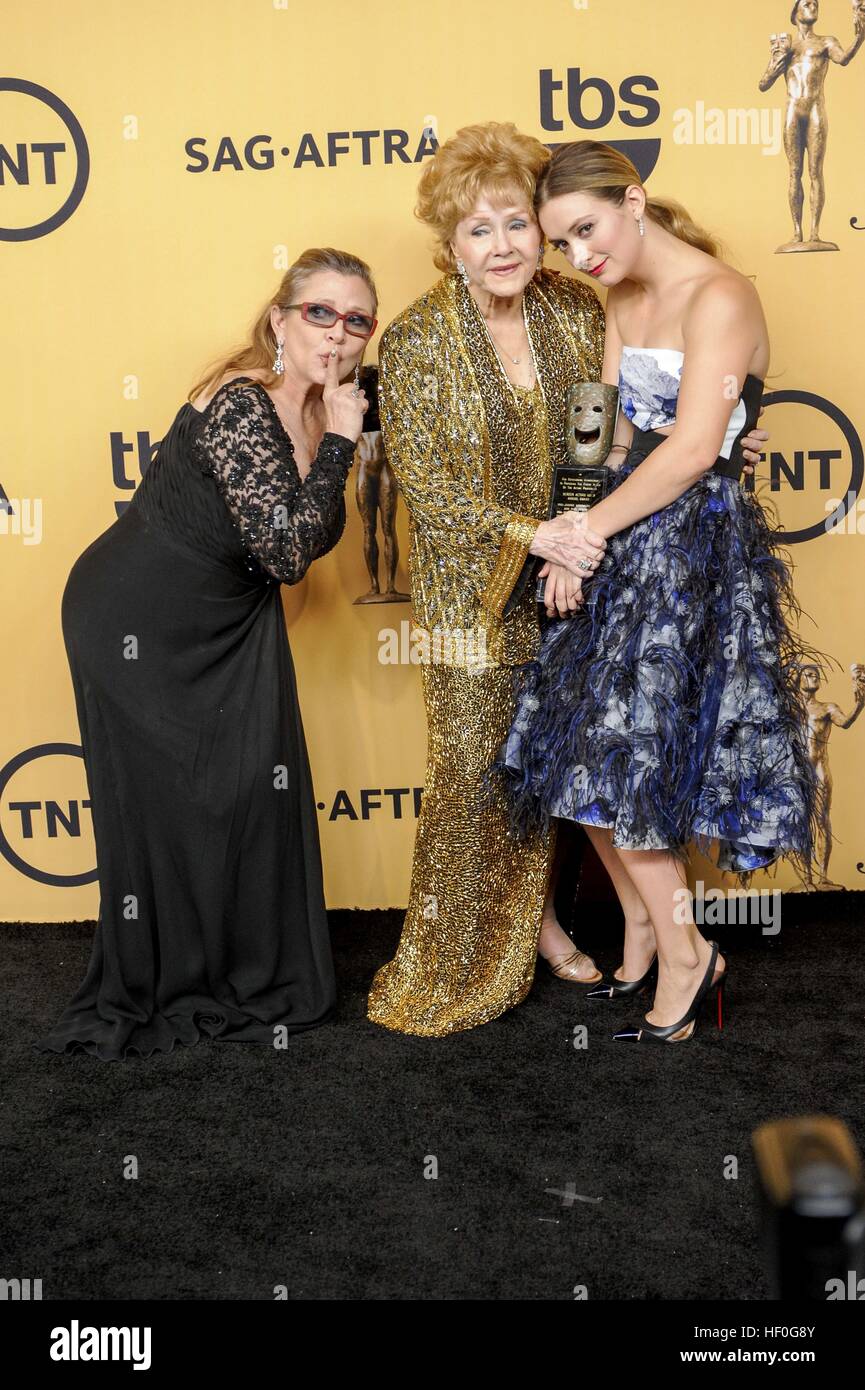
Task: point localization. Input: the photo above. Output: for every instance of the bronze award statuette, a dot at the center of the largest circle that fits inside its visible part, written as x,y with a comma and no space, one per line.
376,494
803,59
590,422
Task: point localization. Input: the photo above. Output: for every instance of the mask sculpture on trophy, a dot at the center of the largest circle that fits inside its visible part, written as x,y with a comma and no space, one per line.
591,412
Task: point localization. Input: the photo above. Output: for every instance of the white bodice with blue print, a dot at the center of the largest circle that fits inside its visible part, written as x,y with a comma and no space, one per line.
649,389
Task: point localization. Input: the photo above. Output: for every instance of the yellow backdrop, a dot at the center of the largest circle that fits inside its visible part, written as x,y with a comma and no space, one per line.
162,163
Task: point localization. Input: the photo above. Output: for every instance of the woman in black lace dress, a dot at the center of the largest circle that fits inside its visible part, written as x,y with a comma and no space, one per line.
212,918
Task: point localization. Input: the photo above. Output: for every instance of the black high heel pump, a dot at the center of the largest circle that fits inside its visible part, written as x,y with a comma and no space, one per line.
653,1032
621,989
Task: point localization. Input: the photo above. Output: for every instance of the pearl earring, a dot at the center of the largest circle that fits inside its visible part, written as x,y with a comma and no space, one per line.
641,226
462,271
278,365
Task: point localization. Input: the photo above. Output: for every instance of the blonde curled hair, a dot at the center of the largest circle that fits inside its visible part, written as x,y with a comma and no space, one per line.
493,159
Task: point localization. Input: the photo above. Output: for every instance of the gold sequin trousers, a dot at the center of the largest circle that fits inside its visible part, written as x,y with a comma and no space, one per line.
469,941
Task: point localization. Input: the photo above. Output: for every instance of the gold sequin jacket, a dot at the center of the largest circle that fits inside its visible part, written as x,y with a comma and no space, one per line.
473,455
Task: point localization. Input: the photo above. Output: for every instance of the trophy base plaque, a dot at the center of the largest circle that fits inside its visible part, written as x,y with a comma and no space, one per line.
576,488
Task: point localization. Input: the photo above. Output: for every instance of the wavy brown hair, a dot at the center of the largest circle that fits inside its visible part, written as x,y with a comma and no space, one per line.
590,166
260,348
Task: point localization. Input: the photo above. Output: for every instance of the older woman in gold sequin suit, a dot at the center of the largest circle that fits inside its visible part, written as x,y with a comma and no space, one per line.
472,383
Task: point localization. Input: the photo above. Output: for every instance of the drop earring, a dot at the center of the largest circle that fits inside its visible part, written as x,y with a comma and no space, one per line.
278,364
356,391
641,226
462,271
541,251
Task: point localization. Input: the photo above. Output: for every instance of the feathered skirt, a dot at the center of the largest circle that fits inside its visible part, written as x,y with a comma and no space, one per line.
668,706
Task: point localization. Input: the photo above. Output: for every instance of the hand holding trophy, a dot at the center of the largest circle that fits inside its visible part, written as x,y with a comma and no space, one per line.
591,411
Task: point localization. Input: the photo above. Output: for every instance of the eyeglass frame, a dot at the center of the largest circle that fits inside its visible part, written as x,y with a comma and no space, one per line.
316,303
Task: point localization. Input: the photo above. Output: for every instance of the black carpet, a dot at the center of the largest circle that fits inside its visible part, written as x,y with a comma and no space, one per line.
305,1168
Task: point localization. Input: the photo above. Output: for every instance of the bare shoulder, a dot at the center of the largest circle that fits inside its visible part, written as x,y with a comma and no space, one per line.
726,305
725,293
203,400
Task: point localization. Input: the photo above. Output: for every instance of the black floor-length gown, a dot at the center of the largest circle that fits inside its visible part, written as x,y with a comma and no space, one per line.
212,918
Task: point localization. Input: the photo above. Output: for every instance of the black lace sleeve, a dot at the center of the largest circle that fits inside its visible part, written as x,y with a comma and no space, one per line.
284,523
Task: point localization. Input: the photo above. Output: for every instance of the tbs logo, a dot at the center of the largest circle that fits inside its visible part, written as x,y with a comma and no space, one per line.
591,103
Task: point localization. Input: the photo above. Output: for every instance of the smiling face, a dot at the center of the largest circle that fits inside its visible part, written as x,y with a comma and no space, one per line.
591,418
498,244
307,344
594,235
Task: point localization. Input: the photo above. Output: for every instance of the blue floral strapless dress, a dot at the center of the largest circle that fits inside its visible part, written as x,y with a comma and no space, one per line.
668,706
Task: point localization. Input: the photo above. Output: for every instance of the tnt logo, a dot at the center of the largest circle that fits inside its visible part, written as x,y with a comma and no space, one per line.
46,831
814,459
44,160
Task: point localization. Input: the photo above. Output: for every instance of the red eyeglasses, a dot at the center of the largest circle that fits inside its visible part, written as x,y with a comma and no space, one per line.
325,316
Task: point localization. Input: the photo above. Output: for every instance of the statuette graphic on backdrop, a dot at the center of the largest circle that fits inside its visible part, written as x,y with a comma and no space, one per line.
803,59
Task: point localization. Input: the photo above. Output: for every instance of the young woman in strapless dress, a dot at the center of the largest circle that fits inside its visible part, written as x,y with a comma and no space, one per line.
665,709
